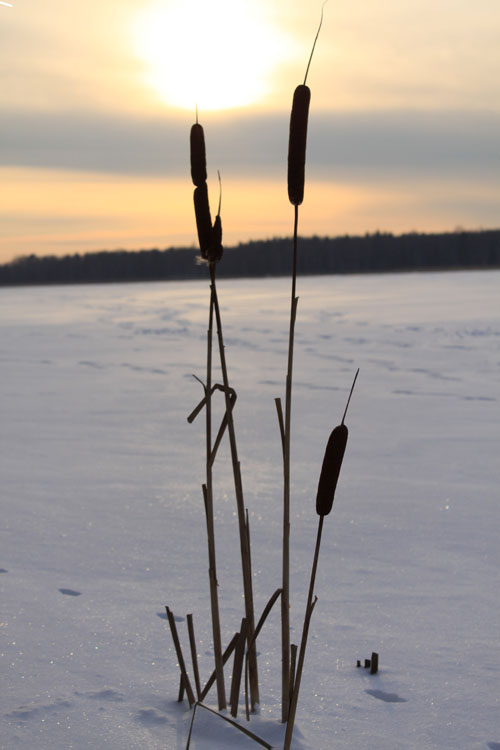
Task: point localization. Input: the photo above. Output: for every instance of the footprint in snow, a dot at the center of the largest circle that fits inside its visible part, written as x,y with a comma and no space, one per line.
35,710
87,363
70,592
494,745
481,398
2,570
106,694
151,717
387,697
163,616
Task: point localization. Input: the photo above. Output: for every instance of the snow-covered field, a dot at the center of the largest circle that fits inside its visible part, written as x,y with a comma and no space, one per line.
103,522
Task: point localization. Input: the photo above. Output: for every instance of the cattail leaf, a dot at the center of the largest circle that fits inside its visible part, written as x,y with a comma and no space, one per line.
203,219
215,250
198,155
330,470
297,144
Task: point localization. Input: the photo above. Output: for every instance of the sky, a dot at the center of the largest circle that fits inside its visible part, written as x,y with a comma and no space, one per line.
97,100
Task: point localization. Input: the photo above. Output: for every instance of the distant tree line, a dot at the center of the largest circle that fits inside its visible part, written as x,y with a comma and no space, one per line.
371,253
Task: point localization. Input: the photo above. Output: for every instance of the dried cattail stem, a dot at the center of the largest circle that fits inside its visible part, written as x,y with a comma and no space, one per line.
296,178
209,511
188,744
240,506
204,402
329,475
253,639
180,657
225,656
239,655
213,585
194,657
303,643
293,665
234,724
286,437
180,697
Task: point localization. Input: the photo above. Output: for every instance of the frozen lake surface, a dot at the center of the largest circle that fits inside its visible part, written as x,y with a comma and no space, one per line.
103,522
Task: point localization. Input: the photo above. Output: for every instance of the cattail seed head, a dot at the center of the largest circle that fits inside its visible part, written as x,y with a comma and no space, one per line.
203,219
198,155
330,470
297,144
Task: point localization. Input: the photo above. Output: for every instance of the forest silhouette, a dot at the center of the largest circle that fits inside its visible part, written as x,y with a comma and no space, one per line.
372,253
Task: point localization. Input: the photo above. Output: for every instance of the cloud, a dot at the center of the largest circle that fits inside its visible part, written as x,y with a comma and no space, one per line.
358,145
433,143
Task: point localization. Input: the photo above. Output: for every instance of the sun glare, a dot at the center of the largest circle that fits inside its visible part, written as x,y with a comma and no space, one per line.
217,54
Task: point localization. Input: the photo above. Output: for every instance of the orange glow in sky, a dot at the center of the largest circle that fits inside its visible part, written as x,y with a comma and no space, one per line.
97,100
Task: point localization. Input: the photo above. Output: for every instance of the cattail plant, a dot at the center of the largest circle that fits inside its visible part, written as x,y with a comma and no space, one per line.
204,228
327,485
296,178
243,643
211,249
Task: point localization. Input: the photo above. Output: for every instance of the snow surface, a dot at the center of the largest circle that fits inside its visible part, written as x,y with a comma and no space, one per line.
103,523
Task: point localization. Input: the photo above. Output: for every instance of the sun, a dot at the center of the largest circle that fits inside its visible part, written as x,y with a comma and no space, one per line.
216,54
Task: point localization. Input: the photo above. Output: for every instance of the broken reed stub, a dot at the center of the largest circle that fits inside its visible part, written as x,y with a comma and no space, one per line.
371,664
185,684
330,470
